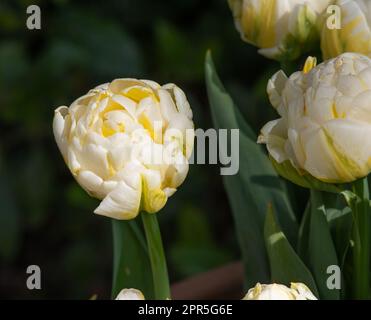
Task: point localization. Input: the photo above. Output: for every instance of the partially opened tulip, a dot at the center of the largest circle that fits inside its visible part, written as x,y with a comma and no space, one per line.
282,29
297,291
127,143
324,119
354,32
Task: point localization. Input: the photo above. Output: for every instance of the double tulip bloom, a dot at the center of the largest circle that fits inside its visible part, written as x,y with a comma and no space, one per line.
297,291
325,119
282,29
127,143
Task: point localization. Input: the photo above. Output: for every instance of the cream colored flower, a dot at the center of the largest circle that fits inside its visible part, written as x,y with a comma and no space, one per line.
130,294
354,34
282,29
297,291
128,143
325,119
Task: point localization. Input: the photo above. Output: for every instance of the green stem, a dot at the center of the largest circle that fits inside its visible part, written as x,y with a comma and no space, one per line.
361,238
157,256
131,264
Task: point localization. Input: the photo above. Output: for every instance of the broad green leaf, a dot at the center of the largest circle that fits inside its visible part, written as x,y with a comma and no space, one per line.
285,264
131,265
339,218
340,222
253,187
359,201
321,249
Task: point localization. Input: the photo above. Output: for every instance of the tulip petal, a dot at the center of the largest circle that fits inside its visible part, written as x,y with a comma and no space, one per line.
274,134
122,203
167,105
320,161
58,128
354,149
275,87
361,107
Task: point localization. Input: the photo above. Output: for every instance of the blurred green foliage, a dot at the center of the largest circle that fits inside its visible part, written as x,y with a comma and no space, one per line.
45,217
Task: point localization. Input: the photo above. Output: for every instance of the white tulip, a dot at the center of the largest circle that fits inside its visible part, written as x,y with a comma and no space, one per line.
282,29
297,291
127,143
130,294
325,121
354,34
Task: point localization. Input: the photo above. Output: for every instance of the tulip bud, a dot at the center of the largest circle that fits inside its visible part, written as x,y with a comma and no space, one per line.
130,294
354,34
297,291
282,29
325,117
127,143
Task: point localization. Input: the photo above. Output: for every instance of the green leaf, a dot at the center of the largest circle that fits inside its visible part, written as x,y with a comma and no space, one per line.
285,264
322,253
303,239
340,222
253,187
131,265
359,202
339,218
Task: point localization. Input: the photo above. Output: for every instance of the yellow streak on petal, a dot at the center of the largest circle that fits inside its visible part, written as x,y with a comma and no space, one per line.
347,169
111,169
107,130
111,106
144,120
337,41
331,43
259,26
334,111
139,93
359,42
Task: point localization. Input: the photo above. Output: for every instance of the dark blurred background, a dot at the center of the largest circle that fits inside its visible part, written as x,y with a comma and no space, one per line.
45,217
